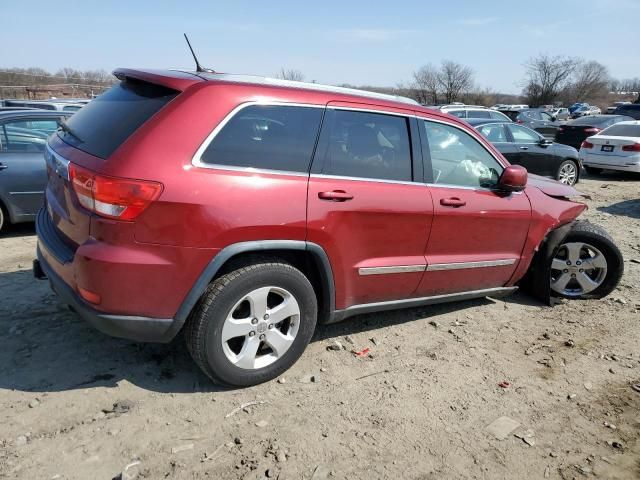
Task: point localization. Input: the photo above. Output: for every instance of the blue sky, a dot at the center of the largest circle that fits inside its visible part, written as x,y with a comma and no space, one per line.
357,42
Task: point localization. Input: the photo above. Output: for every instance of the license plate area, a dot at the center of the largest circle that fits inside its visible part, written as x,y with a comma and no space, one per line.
607,148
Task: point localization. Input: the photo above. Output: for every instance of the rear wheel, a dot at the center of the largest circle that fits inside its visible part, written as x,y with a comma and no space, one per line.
592,170
252,324
568,172
1,218
588,264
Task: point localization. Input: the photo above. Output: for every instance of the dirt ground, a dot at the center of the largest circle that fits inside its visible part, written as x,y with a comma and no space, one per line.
75,404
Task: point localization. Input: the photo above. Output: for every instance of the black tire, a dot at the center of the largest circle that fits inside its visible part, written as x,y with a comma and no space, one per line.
598,237
203,329
577,170
1,217
592,170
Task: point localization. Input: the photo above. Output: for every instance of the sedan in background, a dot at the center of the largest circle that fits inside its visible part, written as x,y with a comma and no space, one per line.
575,132
586,111
576,106
537,119
471,111
524,146
612,108
632,110
23,172
615,148
560,113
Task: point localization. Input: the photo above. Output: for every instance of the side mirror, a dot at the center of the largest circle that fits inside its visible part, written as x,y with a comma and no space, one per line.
513,179
545,142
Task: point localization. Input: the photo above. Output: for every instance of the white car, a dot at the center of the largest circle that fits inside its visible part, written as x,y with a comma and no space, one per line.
614,148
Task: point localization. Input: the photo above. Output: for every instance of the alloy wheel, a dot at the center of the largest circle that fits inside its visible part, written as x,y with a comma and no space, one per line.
568,173
260,327
577,269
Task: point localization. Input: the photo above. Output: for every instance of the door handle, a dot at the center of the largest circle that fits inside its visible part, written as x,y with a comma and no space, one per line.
452,202
335,196
524,148
2,166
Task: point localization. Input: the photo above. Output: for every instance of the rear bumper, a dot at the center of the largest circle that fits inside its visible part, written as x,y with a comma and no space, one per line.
612,162
142,329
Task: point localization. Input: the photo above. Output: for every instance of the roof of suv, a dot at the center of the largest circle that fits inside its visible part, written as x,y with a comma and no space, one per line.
180,79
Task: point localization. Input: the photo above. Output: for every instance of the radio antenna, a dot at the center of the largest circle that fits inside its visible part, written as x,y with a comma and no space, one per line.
199,68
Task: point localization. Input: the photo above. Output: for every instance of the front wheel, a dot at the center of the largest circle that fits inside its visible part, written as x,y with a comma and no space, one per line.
568,172
588,264
252,324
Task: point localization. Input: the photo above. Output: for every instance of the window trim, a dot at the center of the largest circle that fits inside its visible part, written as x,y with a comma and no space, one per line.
196,160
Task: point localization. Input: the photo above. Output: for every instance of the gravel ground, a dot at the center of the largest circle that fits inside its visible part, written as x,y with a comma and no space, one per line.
77,404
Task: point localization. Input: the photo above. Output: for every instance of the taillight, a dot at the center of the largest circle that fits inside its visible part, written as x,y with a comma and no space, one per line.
631,148
560,129
112,197
586,144
591,130
519,121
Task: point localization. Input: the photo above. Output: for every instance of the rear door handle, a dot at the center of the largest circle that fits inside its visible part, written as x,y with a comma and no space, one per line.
524,148
452,202
335,196
3,166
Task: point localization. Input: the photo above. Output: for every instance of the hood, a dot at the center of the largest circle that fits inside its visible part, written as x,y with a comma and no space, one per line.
552,188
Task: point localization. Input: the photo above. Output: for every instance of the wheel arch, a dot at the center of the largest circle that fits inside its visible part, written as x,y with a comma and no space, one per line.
538,277
308,257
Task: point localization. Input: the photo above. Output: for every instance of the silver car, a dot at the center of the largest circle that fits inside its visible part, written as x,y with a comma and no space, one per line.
23,174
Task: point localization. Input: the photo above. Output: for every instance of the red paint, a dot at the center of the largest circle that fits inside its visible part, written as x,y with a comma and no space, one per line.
146,266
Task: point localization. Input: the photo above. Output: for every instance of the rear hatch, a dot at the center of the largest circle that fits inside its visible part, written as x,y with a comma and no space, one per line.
88,139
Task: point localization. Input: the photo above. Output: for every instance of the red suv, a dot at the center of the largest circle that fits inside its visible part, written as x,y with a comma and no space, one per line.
244,210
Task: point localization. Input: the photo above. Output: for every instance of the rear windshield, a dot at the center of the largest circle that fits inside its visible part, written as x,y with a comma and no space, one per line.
604,120
102,125
622,131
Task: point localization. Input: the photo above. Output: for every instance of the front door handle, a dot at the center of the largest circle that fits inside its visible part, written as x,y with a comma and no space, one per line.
3,166
335,196
452,202
524,148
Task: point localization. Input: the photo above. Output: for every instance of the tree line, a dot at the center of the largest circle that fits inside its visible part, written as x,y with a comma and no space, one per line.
37,82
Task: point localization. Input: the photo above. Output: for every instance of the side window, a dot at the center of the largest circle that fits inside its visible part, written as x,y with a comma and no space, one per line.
459,159
27,136
458,113
523,134
498,116
274,137
494,133
546,116
367,145
478,114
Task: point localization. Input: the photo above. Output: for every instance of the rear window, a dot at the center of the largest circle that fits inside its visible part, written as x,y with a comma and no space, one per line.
272,137
104,124
512,114
622,131
608,120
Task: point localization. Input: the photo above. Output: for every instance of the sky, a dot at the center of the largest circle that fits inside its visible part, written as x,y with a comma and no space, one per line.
334,42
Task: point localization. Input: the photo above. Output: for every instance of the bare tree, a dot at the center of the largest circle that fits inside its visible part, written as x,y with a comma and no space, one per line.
291,74
590,81
546,77
425,84
454,79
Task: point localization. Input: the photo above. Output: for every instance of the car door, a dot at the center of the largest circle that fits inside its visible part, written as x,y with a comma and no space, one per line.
368,205
477,234
23,175
535,156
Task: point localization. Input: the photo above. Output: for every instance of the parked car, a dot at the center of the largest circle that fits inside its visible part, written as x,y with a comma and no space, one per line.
57,105
523,146
499,106
471,111
574,132
632,110
244,210
612,108
536,118
576,106
586,111
614,148
23,175
560,113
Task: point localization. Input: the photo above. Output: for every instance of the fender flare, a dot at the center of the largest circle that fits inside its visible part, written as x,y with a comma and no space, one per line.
537,280
210,271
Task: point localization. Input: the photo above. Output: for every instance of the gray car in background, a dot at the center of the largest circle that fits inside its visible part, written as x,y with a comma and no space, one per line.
23,174
537,119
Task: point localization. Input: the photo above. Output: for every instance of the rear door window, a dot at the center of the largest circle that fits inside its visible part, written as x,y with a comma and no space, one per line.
105,123
367,145
272,137
523,134
26,135
494,133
